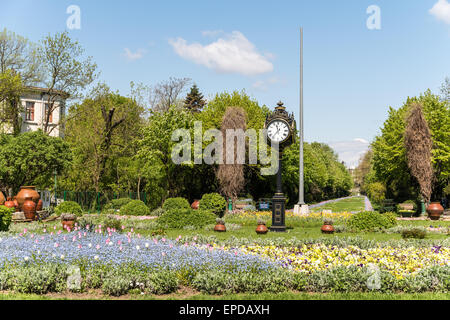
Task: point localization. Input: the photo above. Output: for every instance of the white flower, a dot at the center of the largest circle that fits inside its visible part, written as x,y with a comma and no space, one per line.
147,245
90,245
138,248
96,258
26,258
62,257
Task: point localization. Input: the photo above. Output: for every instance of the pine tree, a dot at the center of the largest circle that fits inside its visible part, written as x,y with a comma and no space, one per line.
194,100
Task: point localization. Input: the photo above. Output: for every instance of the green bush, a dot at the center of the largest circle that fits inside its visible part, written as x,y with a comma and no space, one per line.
135,208
176,203
214,202
5,218
69,207
178,219
116,204
158,212
112,223
371,221
414,233
376,192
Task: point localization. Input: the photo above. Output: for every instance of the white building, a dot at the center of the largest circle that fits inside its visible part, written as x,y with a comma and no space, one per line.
35,105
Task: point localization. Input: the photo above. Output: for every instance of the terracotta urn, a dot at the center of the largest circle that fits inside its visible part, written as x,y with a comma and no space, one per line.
327,229
16,204
68,221
39,205
195,205
29,209
27,192
220,227
262,229
435,210
68,224
2,199
10,204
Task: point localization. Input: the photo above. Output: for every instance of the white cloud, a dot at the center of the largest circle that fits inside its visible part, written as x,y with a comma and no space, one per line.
350,151
132,56
232,53
441,10
264,85
212,33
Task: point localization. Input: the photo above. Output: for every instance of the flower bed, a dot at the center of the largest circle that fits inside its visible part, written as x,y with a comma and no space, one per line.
120,263
400,262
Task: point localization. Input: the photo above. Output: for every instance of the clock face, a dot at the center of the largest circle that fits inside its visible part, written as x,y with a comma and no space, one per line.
278,131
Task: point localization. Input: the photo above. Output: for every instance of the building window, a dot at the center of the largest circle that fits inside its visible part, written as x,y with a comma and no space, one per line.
29,111
50,119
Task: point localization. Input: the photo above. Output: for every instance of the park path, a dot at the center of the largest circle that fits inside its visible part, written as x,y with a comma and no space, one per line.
367,204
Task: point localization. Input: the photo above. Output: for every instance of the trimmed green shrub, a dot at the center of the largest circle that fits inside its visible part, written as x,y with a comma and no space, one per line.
116,204
69,207
112,223
5,218
414,233
176,203
371,221
178,219
135,208
376,192
214,202
158,212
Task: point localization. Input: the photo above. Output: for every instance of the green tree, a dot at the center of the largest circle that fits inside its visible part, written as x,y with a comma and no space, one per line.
101,130
194,101
19,67
390,160
31,158
164,178
66,70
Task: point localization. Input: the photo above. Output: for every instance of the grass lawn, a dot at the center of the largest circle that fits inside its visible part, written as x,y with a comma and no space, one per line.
262,296
297,228
349,205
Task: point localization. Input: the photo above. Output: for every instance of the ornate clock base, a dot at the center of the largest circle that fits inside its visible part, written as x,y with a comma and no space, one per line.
278,213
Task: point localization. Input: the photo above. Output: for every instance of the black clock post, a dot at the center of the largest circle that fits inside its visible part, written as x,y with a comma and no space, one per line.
279,200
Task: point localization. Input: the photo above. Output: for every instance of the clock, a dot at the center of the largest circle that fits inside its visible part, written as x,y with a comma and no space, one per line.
280,127
278,131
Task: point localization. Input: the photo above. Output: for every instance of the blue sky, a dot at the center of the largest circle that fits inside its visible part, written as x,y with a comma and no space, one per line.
352,74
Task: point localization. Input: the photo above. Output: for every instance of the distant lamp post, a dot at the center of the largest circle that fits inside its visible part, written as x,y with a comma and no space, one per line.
301,207
281,128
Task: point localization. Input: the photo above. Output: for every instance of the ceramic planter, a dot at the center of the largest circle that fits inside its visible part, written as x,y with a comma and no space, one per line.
195,205
220,228
2,199
39,205
68,224
10,204
29,209
27,192
435,211
327,229
262,229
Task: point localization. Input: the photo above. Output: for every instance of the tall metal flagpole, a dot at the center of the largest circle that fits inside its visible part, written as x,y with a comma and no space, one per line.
301,178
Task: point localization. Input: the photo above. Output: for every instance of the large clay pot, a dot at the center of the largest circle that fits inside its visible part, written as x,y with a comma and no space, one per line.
262,229
68,224
435,211
27,192
327,229
195,205
29,209
16,204
39,205
2,199
220,228
10,204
